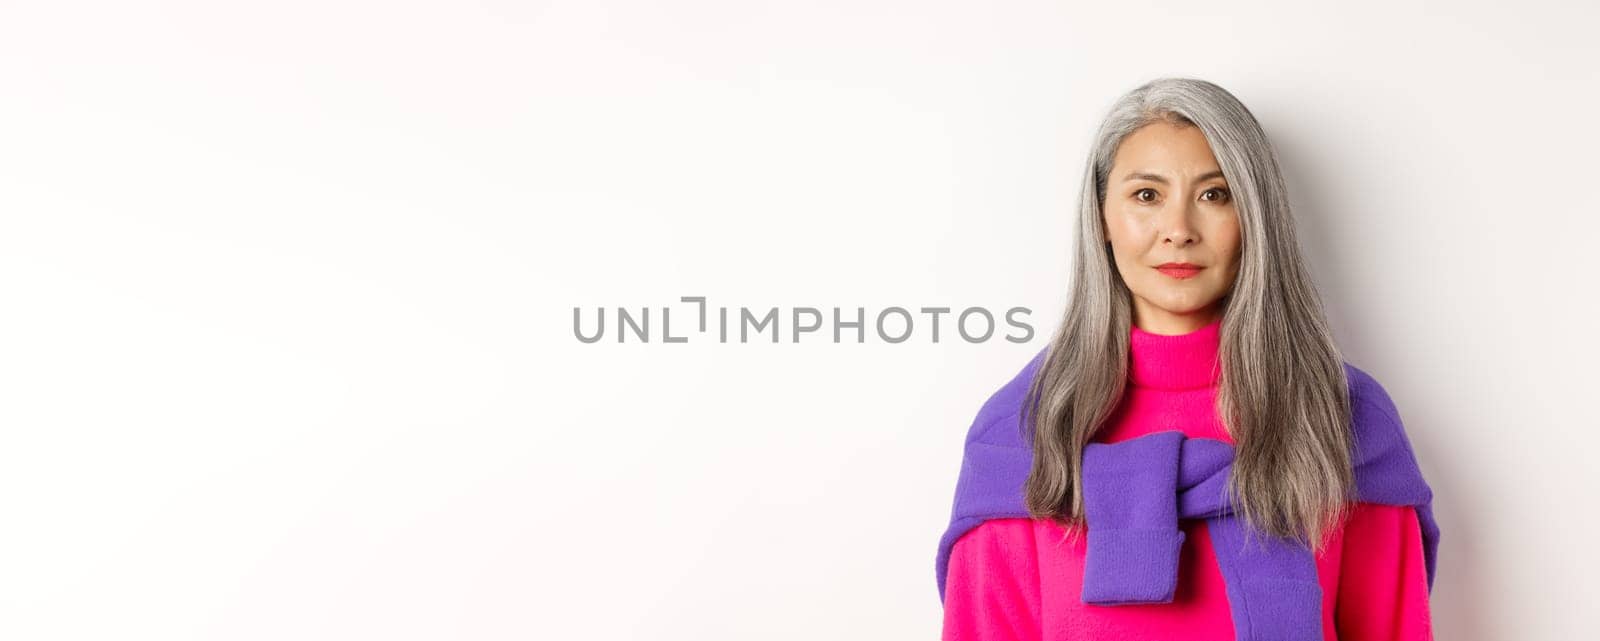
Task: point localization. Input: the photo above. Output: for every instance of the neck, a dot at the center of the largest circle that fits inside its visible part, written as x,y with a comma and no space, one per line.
1175,361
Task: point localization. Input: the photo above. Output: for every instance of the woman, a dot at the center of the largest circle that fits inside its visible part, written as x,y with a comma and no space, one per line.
1190,457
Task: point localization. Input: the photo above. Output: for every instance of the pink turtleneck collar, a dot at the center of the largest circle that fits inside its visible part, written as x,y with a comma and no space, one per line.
1179,361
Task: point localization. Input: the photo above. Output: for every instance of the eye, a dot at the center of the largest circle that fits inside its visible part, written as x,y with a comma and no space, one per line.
1138,195
1221,194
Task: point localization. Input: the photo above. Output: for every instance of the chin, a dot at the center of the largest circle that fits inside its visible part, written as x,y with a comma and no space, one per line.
1187,306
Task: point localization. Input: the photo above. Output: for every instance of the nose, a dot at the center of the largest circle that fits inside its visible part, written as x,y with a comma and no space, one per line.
1175,227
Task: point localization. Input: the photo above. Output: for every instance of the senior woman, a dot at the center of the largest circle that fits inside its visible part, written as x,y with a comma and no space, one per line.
1190,457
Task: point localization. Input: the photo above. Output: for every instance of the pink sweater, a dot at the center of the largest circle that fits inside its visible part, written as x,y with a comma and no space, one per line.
1021,579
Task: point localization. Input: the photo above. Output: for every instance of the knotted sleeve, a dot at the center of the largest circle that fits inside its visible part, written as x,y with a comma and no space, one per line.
1131,504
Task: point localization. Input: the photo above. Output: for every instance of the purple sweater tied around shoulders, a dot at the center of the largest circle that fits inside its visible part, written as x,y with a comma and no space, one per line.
1135,492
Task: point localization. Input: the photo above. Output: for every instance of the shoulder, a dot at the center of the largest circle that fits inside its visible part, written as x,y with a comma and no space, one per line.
1003,407
1386,466
1368,395
1375,420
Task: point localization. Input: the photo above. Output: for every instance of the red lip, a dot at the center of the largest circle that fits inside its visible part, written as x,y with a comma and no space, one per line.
1179,270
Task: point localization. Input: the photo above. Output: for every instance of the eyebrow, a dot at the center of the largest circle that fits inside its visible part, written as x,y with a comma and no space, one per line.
1141,175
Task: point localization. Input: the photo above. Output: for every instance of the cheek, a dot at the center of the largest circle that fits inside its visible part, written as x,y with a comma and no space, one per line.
1233,246
1124,241
1230,256
1224,236
1122,230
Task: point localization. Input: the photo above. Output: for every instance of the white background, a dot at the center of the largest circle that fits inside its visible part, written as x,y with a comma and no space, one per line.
286,297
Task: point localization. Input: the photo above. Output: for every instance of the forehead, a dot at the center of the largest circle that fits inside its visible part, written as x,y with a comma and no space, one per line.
1163,147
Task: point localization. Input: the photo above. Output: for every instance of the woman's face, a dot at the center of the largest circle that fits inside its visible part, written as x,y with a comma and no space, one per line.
1167,202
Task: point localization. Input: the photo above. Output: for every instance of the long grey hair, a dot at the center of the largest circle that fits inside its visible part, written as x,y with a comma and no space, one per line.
1282,393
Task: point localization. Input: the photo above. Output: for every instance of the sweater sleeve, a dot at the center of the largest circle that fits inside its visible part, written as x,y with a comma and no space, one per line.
1383,581
992,587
